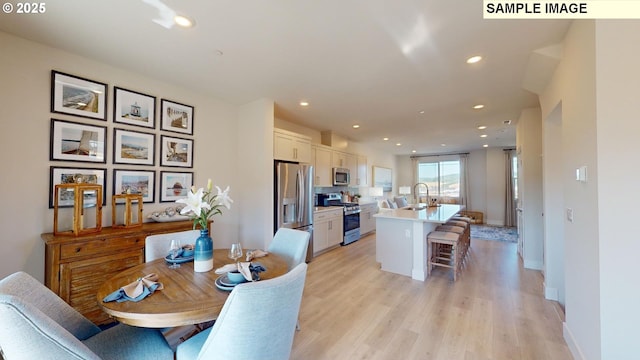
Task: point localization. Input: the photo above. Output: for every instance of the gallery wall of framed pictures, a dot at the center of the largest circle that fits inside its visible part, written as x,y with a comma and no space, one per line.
145,139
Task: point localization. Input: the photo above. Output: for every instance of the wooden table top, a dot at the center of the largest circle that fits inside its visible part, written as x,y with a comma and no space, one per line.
188,297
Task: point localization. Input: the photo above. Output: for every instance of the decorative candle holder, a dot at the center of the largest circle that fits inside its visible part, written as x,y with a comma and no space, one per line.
85,197
129,220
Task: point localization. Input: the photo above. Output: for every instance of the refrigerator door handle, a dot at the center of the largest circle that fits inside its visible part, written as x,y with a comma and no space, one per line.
300,188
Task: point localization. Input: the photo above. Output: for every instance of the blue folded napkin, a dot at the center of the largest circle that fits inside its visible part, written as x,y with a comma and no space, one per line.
137,290
256,267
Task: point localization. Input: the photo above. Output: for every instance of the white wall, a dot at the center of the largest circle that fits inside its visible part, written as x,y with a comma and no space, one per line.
574,85
553,205
25,70
495,187
478,181
529,145
617,174
255,169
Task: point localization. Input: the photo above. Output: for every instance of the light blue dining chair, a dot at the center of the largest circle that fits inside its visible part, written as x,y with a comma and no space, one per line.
291,245
157,246
256,322
36,324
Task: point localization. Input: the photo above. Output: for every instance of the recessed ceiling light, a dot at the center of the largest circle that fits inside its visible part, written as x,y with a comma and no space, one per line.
398,144
218,52
483,135
481,127
304,103
443,144
414,151
421,111
385,139
356,126
474,59
479,106
183,21
507,122
485,145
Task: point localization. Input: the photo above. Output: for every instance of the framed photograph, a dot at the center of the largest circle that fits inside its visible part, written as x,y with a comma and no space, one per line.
74,95
134,182
133,147
176,117
382,177
176,152
69,175
72,141
174,185
134,108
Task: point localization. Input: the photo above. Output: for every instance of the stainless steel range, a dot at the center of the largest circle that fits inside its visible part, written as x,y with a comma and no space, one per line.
350,219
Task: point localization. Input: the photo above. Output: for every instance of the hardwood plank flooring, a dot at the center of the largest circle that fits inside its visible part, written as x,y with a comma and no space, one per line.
495,310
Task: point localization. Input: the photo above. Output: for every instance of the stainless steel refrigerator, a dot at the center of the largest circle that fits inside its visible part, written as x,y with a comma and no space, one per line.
294,199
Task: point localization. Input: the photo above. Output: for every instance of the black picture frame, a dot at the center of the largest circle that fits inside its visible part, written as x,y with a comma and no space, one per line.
176,152
176,117
174,185
74,95
72,141
70,175
134,108
136,181
133,147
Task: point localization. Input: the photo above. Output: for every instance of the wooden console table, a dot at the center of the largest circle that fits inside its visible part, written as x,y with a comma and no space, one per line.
76,266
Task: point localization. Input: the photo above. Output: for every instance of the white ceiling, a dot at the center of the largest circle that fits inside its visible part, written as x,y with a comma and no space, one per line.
370,62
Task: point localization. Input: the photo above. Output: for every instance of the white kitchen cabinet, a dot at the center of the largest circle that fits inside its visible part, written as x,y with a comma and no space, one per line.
327,229
323,175
361,171
290,146
367,221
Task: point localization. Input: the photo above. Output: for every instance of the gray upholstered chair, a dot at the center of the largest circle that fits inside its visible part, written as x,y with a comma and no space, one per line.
36,324
157,246
256,322
290,244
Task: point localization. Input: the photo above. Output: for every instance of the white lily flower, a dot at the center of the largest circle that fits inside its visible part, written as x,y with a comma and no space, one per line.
193,203
223,197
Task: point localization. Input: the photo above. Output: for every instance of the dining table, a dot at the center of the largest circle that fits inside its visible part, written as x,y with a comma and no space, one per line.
187,297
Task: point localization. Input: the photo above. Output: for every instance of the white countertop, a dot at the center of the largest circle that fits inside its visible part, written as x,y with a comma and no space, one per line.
439,214
319,209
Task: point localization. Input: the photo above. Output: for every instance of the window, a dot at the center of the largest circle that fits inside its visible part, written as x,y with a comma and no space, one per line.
442,177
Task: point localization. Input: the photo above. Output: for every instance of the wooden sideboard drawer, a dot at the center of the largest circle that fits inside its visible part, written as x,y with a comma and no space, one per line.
99,246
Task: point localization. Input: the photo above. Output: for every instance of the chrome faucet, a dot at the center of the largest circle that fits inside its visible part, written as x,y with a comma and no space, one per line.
416,194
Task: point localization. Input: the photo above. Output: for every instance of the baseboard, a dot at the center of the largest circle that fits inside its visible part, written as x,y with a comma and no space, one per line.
495,222
534,265
550,293
571,343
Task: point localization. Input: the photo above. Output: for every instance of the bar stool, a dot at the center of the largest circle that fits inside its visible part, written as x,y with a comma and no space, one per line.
437,241
454,229
466,237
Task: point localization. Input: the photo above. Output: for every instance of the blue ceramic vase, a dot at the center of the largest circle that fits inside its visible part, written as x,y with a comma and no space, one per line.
203,253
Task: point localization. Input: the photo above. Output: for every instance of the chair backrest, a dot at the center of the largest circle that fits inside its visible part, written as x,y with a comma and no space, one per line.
157,246
291,244
36,323
258,320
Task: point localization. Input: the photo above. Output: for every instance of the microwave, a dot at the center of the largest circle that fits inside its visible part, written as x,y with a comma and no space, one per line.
341,177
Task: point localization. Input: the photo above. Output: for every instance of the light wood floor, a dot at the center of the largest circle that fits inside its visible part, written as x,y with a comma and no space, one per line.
495,310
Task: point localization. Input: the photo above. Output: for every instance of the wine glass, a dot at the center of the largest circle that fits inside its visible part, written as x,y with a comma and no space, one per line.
174,252
235,252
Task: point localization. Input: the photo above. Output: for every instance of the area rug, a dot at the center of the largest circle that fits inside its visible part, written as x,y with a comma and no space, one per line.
491,232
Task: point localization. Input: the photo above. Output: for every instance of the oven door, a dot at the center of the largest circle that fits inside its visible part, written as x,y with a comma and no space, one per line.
351,226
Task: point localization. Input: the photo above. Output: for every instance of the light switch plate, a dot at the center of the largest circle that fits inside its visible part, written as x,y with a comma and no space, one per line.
570,214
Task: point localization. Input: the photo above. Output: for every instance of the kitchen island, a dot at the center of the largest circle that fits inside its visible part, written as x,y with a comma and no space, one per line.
401,237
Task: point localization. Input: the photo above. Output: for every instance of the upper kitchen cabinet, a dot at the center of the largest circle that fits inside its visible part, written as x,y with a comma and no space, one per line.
290,146
362,173
322,161
345,160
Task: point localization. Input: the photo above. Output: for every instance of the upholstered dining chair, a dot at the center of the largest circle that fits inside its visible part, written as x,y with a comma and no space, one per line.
36,324
157,246
256,322
290,244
